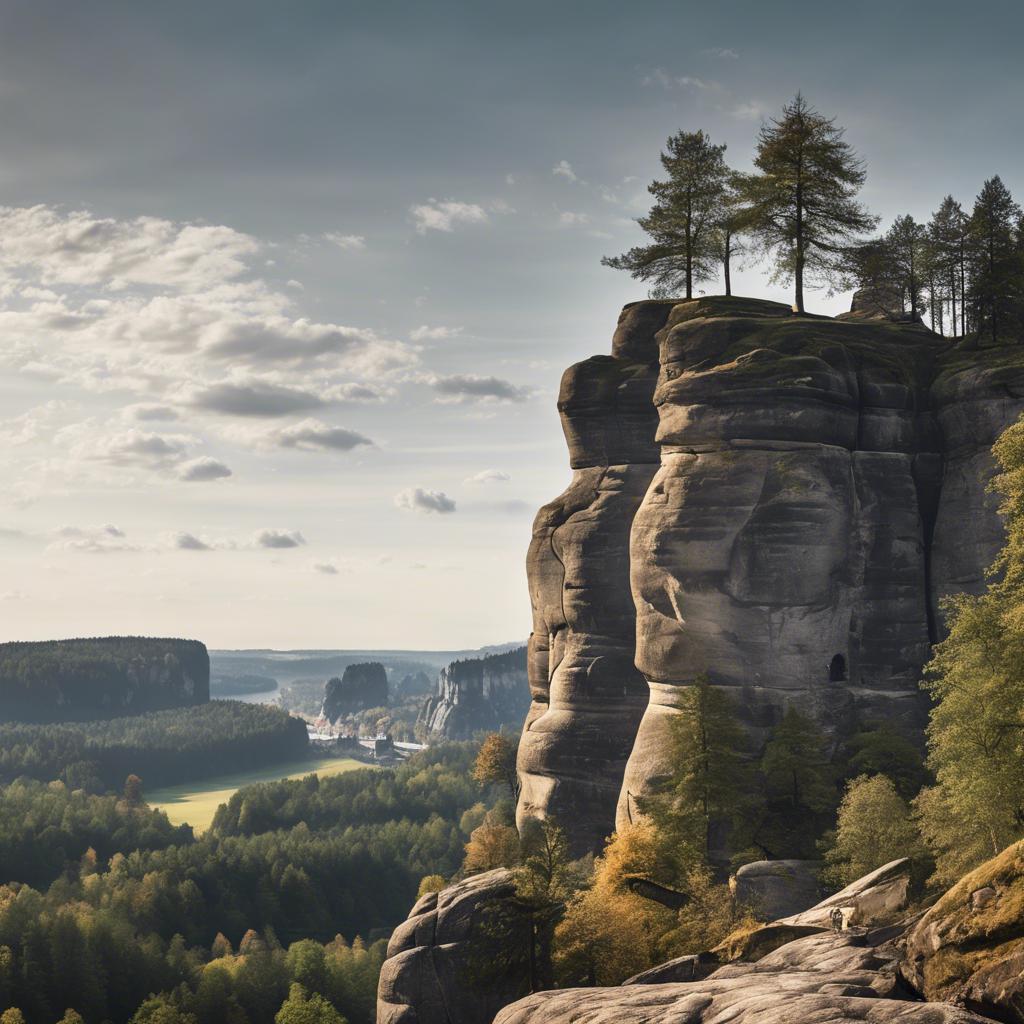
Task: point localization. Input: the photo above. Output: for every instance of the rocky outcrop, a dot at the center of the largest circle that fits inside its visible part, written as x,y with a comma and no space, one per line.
835,977
362,686
79,680
873,899
969,947
777,888
478,695
458,958
588,696
809,491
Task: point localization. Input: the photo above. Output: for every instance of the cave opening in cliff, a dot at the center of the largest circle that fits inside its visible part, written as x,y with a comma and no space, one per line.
837,669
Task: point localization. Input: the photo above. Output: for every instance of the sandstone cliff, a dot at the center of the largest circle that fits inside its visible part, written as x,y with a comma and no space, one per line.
78,680
362,686
478,694
776,501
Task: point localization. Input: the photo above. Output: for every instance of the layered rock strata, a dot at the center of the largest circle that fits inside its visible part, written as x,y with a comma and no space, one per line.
587,695
478,694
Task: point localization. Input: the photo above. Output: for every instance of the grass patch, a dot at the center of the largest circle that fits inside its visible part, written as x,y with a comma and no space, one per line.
195,803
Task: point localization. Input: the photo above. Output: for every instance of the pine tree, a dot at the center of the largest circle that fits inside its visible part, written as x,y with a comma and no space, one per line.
995,261
802,204
710,777
685,219
947,232
799,788
905,242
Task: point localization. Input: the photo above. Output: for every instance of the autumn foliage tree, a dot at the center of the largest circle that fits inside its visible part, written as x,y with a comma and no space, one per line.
496,763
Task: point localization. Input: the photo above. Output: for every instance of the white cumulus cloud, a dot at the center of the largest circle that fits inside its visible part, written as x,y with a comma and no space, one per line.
444,214
418,499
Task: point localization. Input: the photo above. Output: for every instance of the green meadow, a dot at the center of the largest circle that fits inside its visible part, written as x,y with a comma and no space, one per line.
195,803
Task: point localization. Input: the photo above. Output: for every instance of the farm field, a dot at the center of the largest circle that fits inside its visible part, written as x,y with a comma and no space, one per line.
195,803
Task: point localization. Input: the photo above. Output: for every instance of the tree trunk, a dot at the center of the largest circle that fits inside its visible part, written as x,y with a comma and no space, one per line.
689,248
799,268
727,260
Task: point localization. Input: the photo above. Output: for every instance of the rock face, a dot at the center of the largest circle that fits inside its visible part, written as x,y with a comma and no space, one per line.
777,888
588,696
838,978
478,694
78,680
969,947
361,687
798,493
454,960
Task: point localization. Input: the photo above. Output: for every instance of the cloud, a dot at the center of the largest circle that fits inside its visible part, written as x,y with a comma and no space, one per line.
443,215
325,568
568,219
472,388
721,53
93,540
354,392
147,412
203,468
563,169
314,435
256,398
278,539
487,476
425,333
747,112
350,243
13,595
134,448
416,499
183,541
660,77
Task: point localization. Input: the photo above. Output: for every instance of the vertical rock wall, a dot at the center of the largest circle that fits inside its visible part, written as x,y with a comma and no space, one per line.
788,499
587,695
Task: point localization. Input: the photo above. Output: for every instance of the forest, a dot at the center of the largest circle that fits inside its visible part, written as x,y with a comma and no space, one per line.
162,747
113,913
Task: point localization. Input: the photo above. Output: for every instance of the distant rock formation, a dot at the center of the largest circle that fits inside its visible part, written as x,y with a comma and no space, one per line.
104,677
413,683
778,502
362,686
476,695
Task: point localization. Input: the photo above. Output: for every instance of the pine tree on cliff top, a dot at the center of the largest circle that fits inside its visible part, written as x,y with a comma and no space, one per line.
684,221
802,205
995,258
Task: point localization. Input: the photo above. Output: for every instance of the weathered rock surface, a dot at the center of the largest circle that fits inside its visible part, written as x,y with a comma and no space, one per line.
829,977
453,961
362,686
969,947
478,694
777,888
78,680
873,899
588,696
799,493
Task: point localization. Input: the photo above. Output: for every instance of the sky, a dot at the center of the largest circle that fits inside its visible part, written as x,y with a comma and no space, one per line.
286,290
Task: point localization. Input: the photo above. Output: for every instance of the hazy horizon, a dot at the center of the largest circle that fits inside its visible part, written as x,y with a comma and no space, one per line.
286,294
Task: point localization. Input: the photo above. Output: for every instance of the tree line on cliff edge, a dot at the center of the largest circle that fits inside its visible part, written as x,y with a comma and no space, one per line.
799,208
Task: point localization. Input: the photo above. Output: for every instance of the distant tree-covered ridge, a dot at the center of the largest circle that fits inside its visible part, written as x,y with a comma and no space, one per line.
162,747
84,679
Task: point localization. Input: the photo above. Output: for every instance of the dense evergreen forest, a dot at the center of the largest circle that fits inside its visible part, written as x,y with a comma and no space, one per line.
163,747
111,911
77,680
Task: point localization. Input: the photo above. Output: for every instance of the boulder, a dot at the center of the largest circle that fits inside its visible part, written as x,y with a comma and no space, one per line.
871,900
828,977
459,957
777,888
969,947
682,968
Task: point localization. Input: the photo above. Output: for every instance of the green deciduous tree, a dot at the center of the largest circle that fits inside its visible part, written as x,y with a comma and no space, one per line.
802,201
873,827
685,221
976,678
302,1008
